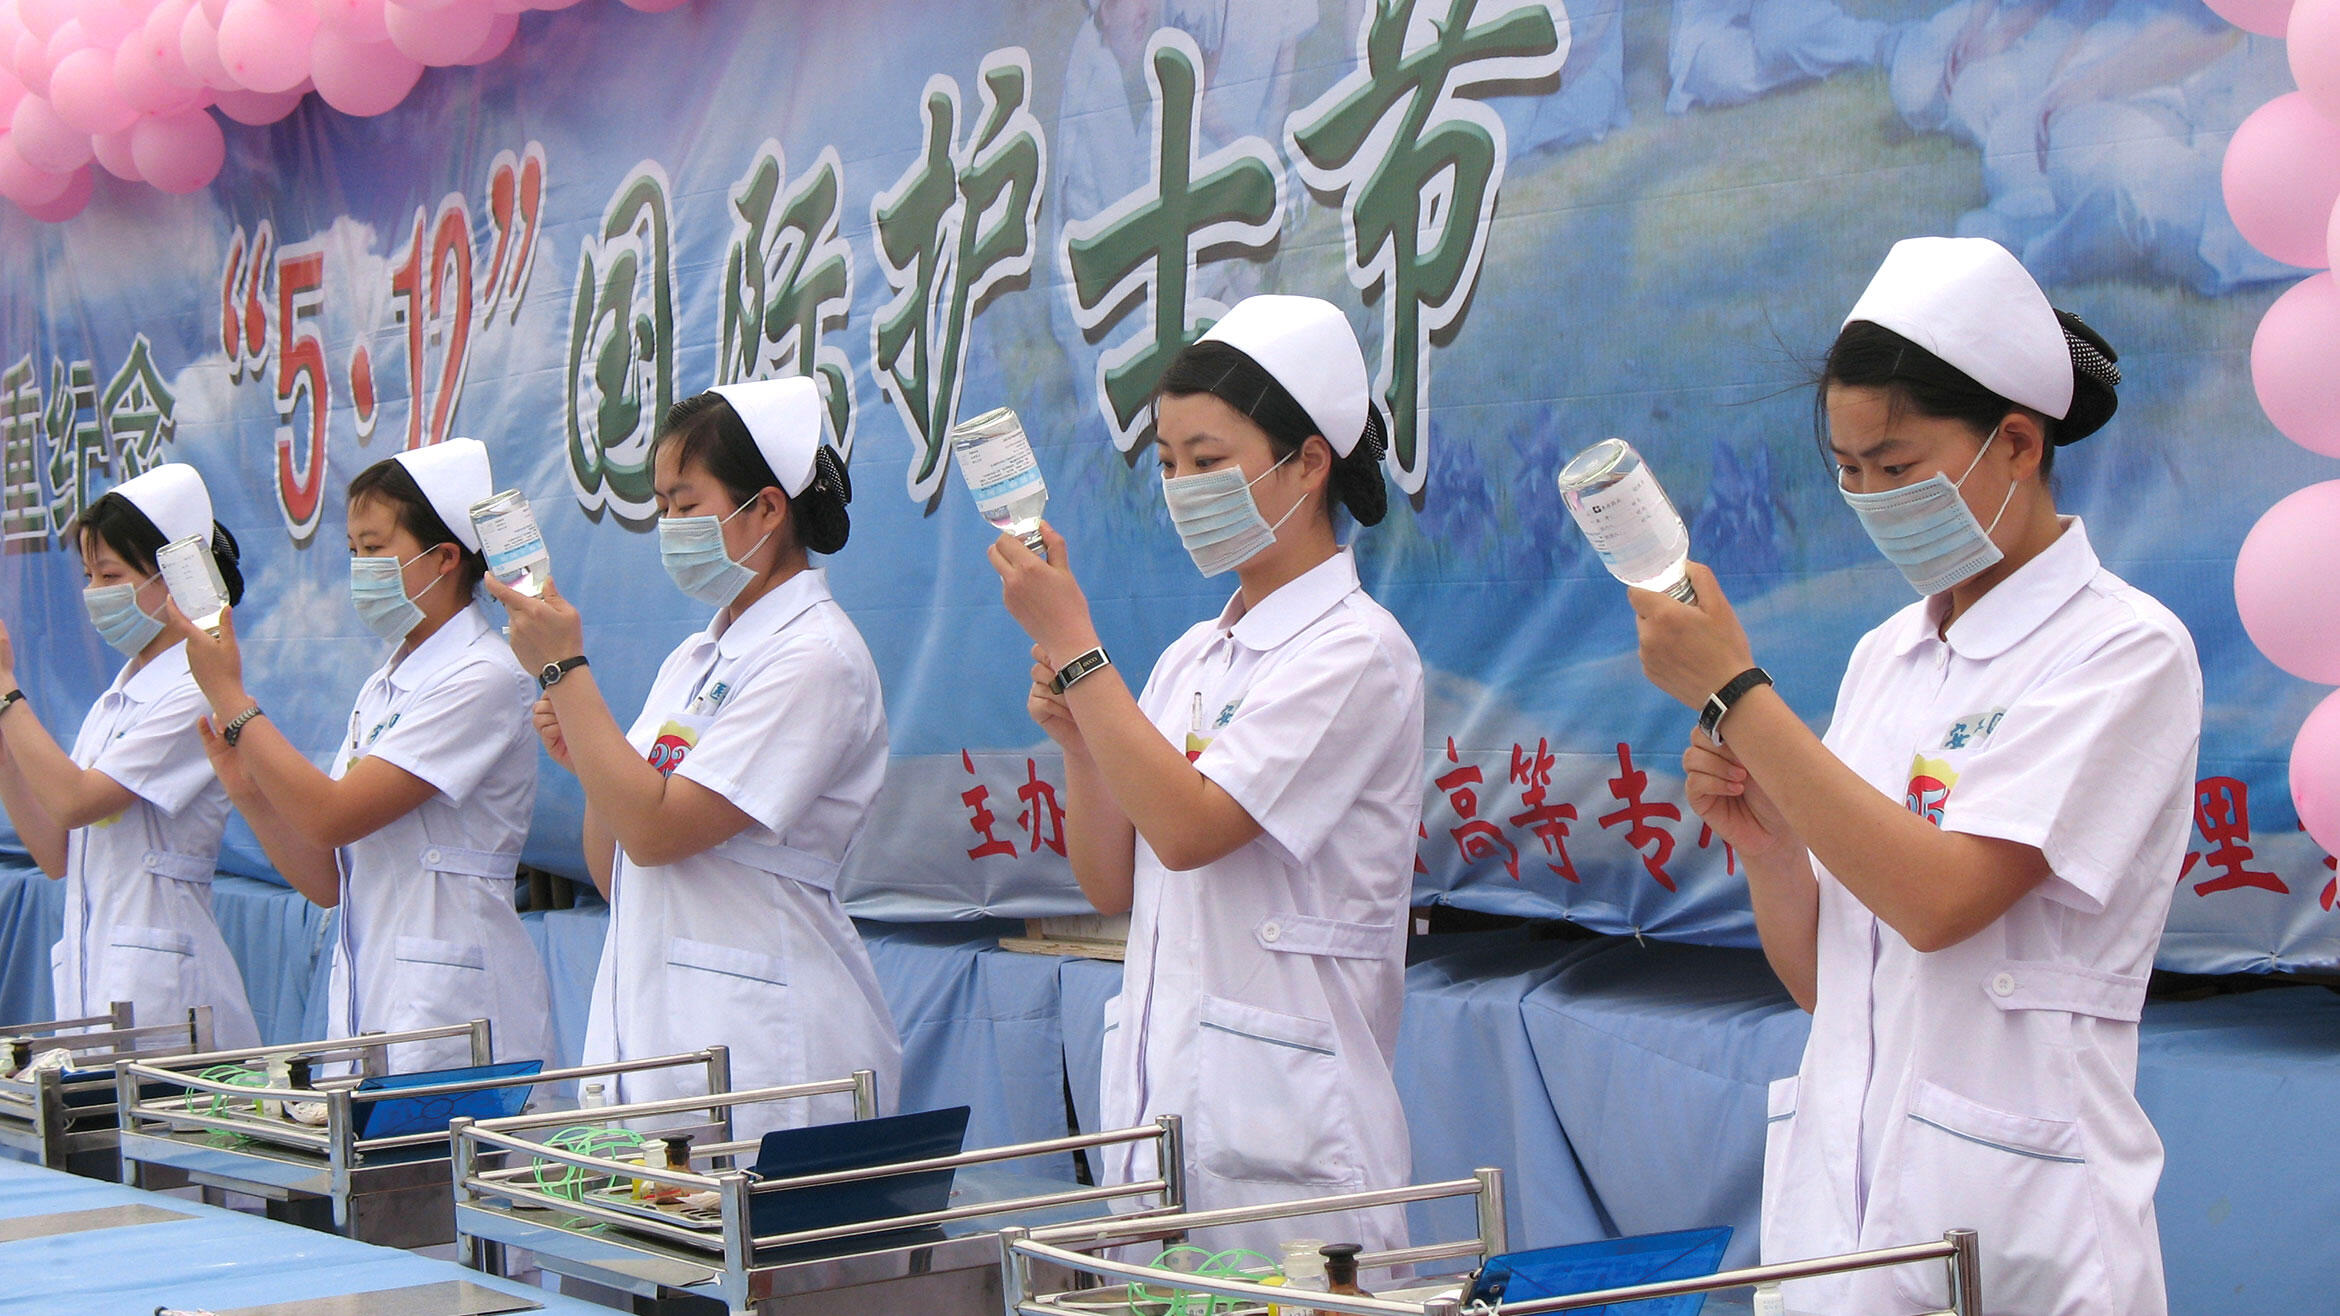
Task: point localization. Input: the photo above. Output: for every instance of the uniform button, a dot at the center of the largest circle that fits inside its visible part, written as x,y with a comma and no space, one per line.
1270,931
151,856
430,856
2003,985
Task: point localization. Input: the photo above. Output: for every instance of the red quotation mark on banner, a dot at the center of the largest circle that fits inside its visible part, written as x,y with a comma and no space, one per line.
252,322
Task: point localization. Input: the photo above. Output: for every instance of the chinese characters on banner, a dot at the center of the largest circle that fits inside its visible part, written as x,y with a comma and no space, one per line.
94,436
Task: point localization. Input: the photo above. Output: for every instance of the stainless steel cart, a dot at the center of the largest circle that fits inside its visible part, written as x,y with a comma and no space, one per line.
66,1119
1036,1260
188,1118
939,1263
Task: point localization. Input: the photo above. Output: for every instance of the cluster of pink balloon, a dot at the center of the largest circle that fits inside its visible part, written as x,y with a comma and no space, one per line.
131,84
2282,184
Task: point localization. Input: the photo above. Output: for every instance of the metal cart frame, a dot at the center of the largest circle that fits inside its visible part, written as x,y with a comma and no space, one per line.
1033,1257
391,1191
669,1267
73,1123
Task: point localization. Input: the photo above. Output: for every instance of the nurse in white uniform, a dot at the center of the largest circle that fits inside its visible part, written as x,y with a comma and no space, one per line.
1965,882
132,818
415,835
718,824
1254,809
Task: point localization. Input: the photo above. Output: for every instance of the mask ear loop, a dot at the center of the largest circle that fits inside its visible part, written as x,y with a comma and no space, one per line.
2005,502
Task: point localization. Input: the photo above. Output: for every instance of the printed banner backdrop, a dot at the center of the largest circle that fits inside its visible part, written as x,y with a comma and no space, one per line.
1551,222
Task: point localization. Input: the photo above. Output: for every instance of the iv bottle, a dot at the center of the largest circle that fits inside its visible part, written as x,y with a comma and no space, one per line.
1624,511
511,542
591,1097
1001,472
192,576
1340,1269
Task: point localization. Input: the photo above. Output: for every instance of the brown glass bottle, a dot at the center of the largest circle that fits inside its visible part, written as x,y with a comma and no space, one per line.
1340,1269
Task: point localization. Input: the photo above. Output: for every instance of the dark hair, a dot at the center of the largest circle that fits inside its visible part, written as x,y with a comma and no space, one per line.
708,433
120,526
389,481
1230,375
1868,355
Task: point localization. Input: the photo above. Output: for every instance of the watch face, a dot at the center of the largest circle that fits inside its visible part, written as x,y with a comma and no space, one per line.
550,674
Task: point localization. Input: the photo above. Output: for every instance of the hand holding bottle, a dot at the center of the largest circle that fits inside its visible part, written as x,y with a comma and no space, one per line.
1690,650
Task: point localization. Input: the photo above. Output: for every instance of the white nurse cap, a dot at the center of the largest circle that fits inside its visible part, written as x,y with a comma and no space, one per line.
1308,346
173,497
452,476
1971,303
784,417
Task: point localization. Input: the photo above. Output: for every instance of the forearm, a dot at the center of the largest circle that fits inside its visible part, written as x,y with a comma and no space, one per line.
43,837
1927,884
600,852
310,868
624,795
1785,894
1187,819
69,795
321,811
1098,837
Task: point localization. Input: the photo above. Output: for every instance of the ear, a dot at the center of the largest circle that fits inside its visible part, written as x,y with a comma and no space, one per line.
2026,441
1317,459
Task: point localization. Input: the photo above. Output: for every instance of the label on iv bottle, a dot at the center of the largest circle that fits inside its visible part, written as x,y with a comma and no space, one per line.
998,466
1630,522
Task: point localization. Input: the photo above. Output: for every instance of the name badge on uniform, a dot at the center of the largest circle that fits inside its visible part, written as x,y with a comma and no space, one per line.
1970,731
358,747
674,744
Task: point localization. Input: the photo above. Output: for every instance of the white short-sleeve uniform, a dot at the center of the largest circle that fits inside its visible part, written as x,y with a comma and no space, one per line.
745,944
1992,1085
429,935
138,924
1261,996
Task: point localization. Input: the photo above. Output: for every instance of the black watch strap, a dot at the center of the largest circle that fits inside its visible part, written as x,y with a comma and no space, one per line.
11,700
1719,703
1072,672
553,672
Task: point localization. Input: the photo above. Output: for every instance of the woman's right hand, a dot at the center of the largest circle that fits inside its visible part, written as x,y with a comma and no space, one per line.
1727,798
226,765
548,730
1049,709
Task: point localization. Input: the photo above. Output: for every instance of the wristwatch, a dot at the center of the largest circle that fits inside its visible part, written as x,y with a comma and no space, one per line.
553,672
234,730
10,700
1719,703
1070,674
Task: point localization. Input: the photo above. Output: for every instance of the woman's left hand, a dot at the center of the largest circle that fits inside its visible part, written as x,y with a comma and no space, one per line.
215,661
1690,651
545,629
1043,597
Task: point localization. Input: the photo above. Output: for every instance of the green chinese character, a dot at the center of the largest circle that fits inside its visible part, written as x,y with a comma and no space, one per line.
136,410
956,225
787,278
621,347
24,519
1418,167
77,447
1151,240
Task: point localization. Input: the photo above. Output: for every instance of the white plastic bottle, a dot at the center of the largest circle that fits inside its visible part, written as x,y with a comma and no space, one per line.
1303,1266
1001,472
591,1097
1624,511
192,576
511,542
1768,1301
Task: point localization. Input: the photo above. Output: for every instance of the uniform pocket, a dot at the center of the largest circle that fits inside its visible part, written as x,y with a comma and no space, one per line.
2020,1181
1278,1109
726,995
1779,1123
152,968
434,983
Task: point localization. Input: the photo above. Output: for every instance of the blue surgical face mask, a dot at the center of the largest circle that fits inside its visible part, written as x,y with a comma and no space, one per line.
1928,531
377,585
114,610
691,549
1218,520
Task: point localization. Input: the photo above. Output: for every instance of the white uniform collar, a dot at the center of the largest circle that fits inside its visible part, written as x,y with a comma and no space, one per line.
445,646
168,669
1299,601
2016,606
767,615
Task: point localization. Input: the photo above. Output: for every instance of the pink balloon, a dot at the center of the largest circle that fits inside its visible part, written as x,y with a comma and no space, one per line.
429,6
2315,774
27,184
655,6
199,49
214,10
355,20
2265,17
2332,238
30,63
2313,43
259,108
2281,178
501,28
68,203
265,44
69,37
2286,586
106,21
44,140
361,77
2295,365
11,91
179,153
82,89
42,17
113,153
148,69
438,37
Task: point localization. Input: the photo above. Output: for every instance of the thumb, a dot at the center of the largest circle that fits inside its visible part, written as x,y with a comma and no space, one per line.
227,623
1058,554
1710,591
209,736
499,591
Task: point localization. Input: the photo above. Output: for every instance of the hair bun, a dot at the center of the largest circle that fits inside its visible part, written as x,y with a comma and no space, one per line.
2095,379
